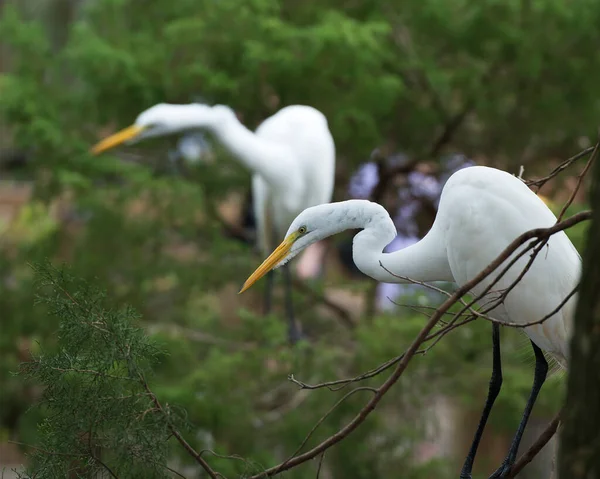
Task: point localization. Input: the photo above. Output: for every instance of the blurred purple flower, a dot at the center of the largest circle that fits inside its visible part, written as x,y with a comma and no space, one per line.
363,181
419,186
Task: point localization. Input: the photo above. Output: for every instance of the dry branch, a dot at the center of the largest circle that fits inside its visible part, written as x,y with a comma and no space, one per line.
537,184
540,237
539,233
189,449
579,181
536,447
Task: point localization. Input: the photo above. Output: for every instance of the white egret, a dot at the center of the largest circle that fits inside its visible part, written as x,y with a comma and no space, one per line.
291,156
481,211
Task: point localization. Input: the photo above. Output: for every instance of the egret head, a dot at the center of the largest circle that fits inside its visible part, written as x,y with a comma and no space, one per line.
312,225
164,119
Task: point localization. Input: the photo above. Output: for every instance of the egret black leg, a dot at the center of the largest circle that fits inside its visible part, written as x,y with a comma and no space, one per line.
269,291
541,370
494,390
293,331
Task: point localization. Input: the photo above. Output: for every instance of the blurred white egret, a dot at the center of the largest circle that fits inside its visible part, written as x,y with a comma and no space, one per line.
481,211
291,156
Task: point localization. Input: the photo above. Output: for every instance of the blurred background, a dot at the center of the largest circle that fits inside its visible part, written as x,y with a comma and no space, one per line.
413,91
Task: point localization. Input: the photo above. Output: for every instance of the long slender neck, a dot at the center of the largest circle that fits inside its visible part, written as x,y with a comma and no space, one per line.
424,261
263,157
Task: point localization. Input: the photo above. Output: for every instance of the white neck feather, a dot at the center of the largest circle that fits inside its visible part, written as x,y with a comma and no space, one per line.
260,156
424,261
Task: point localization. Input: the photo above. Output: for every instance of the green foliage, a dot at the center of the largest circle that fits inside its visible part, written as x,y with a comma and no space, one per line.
379,72
384,75
100,413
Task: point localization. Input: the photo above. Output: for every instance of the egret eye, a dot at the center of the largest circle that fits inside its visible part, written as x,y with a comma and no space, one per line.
302,230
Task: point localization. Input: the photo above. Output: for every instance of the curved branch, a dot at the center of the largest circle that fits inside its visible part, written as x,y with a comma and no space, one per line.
536,447
370,406
537,184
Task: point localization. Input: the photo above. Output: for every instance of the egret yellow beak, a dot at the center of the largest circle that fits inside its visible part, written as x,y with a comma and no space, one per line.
116,139
267,265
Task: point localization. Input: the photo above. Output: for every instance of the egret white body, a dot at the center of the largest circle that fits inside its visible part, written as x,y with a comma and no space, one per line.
481,211
291,156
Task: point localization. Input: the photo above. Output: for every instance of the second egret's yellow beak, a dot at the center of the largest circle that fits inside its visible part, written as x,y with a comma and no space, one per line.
114,140
275,257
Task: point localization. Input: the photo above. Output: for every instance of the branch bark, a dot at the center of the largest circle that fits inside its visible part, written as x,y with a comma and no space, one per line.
189,449
579,450
413,348
536,447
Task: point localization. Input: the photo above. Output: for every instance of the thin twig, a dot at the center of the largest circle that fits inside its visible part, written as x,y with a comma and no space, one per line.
579,181
191,451
320,464
45,451
91,372
481,314
452,324
66,454
541,236
345,382
325,416
536,447
413,348
537,184
104,466
438,335
537,247
532,323
342,383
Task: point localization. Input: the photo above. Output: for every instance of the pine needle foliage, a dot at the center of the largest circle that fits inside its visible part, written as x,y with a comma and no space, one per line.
102,419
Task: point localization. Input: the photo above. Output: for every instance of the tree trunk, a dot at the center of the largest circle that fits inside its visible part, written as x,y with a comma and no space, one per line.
579,450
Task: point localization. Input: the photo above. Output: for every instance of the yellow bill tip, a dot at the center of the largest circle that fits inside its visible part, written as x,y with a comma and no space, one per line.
268,264
118,138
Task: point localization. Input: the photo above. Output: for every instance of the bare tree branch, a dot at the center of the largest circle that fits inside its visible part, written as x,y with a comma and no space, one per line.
326,415
369,407
345,382
320,464
536,447
536,185
190,450
480,314
341,383
540,237
542,242
579,181
68,454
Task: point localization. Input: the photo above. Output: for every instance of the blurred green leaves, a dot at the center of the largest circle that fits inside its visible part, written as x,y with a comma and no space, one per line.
100,414
384,74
